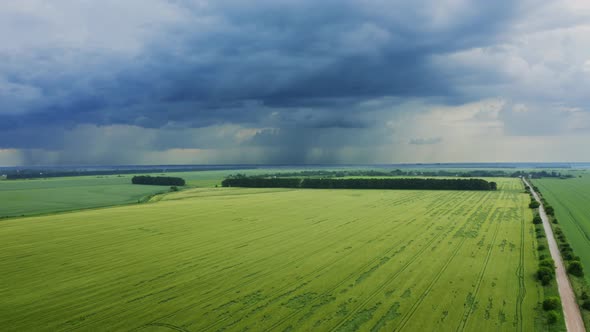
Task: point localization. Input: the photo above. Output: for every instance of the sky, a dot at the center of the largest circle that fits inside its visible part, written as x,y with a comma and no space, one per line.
293,81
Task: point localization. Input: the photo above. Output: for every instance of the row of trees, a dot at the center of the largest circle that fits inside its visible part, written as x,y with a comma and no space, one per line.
359,183
158,180
542,174
398,172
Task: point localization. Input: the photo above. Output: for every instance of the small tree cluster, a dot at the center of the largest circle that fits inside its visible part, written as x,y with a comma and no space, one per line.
551,303
158,180
545,275
575,268
549,210
552,317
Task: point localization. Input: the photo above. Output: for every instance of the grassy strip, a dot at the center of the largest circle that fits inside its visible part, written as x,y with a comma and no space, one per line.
571,260
550,316
552,319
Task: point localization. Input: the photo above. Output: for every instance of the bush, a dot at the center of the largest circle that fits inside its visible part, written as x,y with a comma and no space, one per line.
537,220
549,210
552,317
584,295
545,275
541,247
569,256
551,303
586,305
174,188
547,263
575,268
534,205
555,221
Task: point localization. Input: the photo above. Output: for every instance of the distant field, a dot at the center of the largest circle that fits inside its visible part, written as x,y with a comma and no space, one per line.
234,259
38,196
26,197
41,196
571,200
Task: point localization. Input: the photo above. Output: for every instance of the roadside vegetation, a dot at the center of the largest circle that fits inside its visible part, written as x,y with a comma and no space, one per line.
550,310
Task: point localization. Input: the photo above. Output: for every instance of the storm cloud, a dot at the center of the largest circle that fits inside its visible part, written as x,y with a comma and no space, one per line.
286,81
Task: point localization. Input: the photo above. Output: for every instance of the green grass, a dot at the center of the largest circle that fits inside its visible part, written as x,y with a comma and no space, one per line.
27,197
550,290
214,259
42,196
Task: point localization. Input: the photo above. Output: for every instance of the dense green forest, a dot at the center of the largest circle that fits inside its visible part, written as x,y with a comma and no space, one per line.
359,183
158,180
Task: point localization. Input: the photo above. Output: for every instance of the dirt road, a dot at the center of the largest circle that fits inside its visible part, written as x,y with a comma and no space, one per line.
571,311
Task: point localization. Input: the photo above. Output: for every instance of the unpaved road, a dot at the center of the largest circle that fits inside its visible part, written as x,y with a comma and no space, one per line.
571,311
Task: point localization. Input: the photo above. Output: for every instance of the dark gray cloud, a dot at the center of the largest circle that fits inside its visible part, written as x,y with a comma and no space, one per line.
305,76
203,69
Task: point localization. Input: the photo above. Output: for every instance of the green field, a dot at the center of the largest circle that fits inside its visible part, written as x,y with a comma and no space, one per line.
571,200
41,196
234,259
27,197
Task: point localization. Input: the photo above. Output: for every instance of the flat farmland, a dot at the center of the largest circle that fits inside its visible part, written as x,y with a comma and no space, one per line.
277,260
28,197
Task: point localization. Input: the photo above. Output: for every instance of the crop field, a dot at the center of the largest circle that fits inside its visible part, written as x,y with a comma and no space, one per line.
26,197
230,259
571,200
41,196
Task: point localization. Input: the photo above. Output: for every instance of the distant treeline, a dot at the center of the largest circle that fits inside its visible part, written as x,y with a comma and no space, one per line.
158,180
399,172
52,173
359,183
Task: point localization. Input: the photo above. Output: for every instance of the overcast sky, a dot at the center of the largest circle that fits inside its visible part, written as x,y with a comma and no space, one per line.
293,81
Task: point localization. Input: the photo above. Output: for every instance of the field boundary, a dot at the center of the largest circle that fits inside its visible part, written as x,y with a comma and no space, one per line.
571,311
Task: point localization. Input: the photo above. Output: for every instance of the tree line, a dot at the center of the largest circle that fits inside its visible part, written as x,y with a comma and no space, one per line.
51,173
433,173
359,183
158,180
42,173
